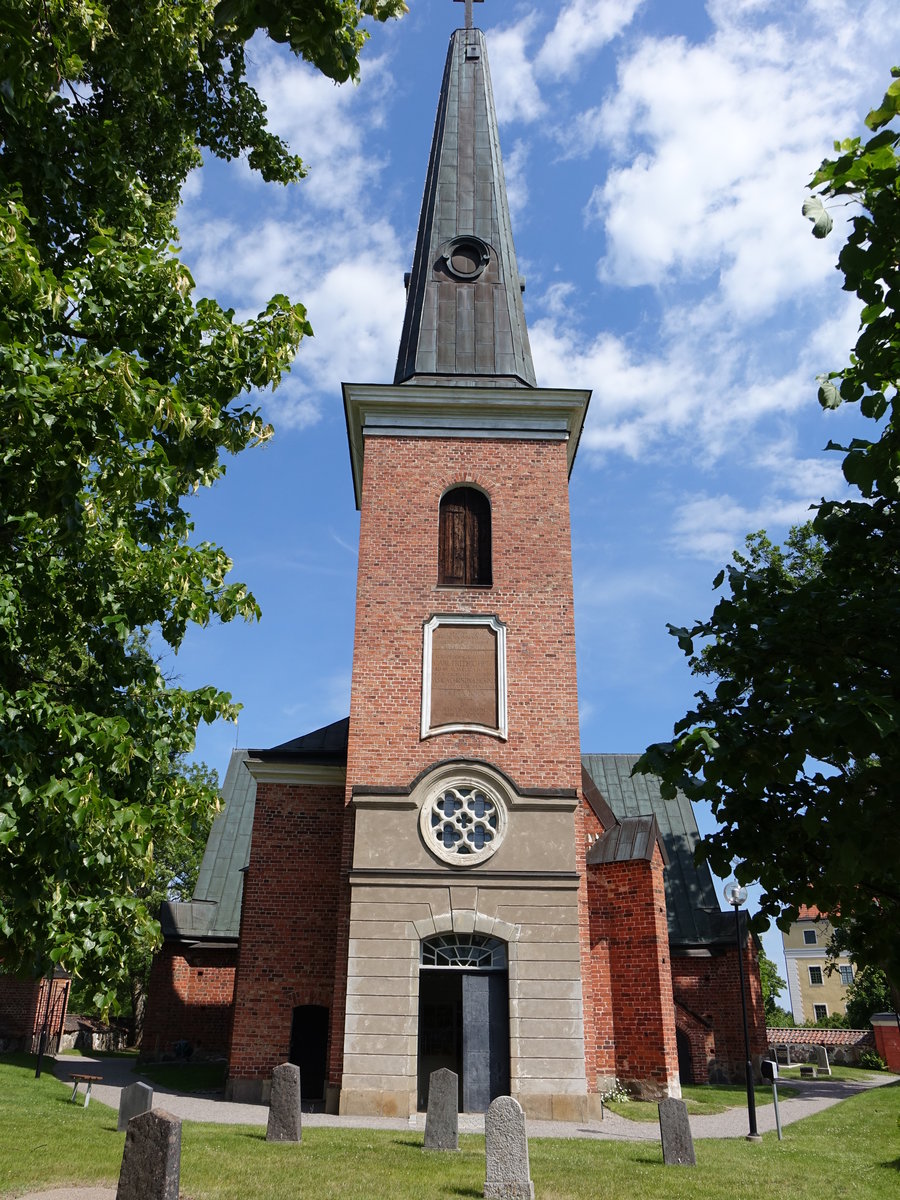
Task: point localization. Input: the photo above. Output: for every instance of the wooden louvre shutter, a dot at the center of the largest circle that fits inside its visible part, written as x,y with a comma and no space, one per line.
464,551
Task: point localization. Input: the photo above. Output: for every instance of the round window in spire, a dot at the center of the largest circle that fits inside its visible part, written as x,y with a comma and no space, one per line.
466,257
463,821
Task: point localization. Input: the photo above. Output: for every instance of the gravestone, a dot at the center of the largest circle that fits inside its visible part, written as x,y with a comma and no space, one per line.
507,1172
442,1117
284,1105
135,1099
151,1160
675,1132
822,1059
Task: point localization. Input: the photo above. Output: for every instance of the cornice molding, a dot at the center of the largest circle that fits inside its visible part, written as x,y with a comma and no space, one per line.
500,413
297,772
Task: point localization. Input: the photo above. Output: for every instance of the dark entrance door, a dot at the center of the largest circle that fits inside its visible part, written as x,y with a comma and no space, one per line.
685,1068
485,1066
464,1019
309,1049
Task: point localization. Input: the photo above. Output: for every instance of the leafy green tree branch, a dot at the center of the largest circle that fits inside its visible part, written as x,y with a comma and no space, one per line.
121,394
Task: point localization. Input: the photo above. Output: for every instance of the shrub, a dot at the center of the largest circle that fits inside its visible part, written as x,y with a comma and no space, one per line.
871,1060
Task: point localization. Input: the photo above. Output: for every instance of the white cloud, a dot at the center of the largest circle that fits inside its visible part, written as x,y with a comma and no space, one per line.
515,171
324,123
582,28
712,527
354,300
516,93
716,142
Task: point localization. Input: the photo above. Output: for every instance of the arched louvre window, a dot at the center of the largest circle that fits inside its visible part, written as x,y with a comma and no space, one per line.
466,951
464,549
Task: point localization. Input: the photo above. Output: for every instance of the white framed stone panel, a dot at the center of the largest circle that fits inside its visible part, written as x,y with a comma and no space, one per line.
434,723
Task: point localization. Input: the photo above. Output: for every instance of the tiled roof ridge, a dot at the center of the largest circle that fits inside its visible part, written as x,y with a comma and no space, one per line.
818,1037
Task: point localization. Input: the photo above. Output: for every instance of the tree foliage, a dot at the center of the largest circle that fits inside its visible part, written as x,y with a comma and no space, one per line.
771,984
121,392
868,993
796,743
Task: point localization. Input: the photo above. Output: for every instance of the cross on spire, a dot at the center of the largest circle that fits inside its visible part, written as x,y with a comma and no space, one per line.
468,4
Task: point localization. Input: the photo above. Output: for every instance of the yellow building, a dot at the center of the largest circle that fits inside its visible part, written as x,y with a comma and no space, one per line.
814,993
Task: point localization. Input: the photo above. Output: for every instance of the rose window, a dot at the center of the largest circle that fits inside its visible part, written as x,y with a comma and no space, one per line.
463,823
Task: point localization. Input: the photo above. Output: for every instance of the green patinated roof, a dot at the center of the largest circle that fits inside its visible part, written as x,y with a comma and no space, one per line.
695,918
214,914
228,849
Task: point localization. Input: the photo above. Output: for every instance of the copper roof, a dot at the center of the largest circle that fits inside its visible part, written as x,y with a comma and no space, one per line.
464,321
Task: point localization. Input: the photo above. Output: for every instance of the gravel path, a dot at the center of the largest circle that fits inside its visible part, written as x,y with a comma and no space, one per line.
811,1097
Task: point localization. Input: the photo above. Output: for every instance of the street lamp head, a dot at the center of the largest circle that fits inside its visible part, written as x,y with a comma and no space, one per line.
735,894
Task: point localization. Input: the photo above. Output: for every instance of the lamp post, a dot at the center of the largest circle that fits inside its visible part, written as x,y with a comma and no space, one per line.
735,895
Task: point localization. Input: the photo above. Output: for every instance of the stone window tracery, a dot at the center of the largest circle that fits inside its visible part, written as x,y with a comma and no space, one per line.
463,822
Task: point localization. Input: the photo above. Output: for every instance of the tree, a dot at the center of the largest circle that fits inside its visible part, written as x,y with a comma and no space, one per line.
795,743
771,984
177,855
121,394
868,993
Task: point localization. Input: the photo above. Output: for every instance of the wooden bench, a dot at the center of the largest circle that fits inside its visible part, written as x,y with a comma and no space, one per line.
89,1080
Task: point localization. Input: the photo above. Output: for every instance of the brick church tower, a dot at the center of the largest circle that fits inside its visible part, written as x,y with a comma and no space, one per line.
434,882
463,761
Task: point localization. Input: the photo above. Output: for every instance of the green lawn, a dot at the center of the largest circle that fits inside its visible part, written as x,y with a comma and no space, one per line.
703,1100
850,1150
837,1072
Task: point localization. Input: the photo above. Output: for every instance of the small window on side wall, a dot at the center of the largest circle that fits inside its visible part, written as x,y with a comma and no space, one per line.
464,539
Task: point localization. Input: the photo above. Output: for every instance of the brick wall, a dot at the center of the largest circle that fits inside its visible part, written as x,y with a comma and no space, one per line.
887,1039
709,989
527,484
628,924
18,1006
189,1000
700,1040
288,922
599,1034
24,1008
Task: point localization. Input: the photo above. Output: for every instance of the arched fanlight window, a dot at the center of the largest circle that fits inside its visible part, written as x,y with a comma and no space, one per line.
464,951
464,545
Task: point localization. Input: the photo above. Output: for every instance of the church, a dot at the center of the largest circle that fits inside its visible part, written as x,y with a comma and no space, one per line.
442,879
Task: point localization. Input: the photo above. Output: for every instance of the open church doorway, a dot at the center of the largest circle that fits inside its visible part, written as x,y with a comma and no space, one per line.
464,1016
309,1050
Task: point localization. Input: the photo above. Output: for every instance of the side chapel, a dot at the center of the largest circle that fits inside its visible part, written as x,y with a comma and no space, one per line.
442,879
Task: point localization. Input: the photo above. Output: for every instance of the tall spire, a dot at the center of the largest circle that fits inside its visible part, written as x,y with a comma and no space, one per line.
464,322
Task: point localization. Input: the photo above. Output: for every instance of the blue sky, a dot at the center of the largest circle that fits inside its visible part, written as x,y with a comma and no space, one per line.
656,154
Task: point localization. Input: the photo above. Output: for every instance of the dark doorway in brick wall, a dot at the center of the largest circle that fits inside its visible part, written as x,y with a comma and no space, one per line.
309,1050
464,1018
685,1066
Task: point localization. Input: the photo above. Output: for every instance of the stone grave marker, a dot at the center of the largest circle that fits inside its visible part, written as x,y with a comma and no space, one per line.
135,1099
507,1171
822,1060
442,1116
675,1132
284,1123
151,1160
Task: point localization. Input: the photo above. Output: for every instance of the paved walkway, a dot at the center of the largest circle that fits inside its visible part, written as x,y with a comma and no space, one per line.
811,1097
